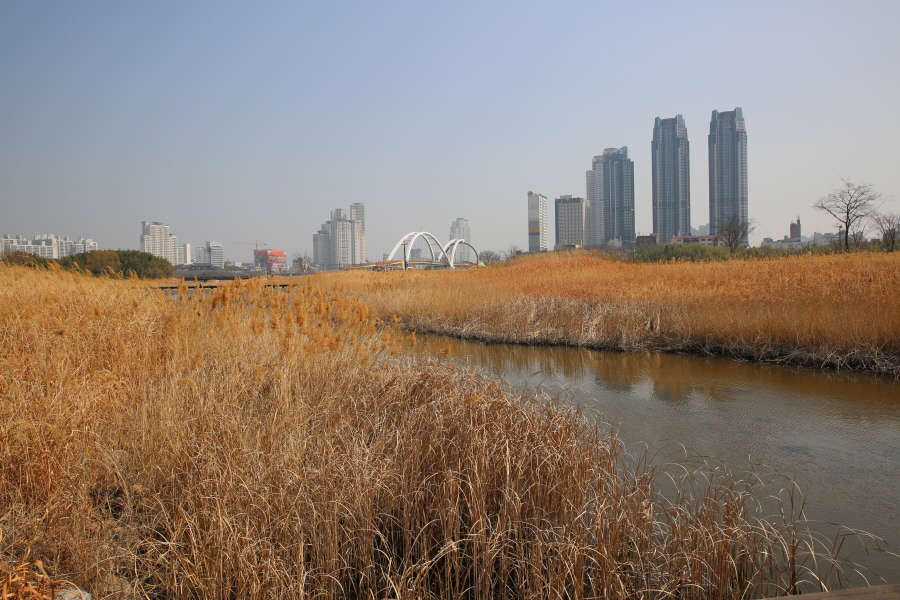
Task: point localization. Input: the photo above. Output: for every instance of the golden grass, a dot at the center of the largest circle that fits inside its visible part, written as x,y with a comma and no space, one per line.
253,443
837,311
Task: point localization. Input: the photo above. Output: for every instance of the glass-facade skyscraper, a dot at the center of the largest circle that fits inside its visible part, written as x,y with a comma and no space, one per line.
593,229
618,196
671,179
610,199
727,168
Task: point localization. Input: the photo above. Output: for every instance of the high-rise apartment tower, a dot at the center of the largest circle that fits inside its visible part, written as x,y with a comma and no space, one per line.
727,168
618,196
571,215
358,214
593,229
537,222
671,179
460,229
156,239
211,254
341,241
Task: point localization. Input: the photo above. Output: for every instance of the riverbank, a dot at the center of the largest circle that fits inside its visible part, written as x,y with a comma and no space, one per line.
259,442
837,311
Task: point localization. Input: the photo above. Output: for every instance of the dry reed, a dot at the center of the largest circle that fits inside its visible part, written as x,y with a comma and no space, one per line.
837,311
251,443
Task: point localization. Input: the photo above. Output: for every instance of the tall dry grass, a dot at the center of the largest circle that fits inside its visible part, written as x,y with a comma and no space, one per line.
254,443
838,311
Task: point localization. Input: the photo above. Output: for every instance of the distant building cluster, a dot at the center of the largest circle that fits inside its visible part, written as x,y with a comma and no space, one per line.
341,241
48,245
158,240
605,217
796,240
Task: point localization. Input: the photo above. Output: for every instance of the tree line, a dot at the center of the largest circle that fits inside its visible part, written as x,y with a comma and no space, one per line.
123,263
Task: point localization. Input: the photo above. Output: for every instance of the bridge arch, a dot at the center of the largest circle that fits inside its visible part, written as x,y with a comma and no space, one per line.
439,254
411,237
451,248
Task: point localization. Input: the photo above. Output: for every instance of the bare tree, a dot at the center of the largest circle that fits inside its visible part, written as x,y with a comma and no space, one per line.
850,203
735,231
488,256
511,252
888,227
302,262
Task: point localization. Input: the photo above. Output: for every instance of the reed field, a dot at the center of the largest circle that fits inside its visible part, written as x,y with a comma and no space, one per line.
835,311
259,443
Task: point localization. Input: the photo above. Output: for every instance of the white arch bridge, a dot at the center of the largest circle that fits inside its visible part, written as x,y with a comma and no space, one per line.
442,257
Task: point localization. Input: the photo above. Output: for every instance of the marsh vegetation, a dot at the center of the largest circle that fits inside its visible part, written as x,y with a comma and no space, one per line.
834,311
254,443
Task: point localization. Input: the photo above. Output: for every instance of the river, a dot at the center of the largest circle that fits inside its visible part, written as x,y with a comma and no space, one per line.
835,434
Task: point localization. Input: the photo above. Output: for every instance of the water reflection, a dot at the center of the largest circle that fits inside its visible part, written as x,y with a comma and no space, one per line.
836,434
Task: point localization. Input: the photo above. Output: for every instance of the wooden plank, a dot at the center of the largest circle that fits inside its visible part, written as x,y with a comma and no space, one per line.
878,592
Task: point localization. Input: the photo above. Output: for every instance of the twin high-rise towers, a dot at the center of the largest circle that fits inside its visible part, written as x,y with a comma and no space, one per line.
606,215
672,169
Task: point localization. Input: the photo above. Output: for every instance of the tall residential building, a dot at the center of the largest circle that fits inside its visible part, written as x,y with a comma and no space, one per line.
460,230
727,168
571,214
671,179
618,196
210,254
322,246
158,241
537,222
358,213
341,241
594,228
795,230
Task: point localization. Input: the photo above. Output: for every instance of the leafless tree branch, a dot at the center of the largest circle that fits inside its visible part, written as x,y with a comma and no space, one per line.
888,227
735,231
850,204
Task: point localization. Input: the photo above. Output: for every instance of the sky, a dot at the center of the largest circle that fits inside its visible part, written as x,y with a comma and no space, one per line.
244,122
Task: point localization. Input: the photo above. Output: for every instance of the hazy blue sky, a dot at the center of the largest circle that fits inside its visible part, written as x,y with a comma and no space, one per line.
241,121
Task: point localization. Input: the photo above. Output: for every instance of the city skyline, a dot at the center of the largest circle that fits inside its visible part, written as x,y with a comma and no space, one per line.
234,123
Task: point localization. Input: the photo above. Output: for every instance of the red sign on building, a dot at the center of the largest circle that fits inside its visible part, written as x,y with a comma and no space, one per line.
271,261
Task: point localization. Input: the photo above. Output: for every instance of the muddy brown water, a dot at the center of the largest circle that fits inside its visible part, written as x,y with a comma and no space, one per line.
835,434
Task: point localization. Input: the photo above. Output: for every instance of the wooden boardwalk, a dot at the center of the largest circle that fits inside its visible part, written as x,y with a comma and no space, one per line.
878,592
279,282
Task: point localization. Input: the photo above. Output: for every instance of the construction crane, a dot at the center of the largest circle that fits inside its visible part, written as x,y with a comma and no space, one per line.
256,243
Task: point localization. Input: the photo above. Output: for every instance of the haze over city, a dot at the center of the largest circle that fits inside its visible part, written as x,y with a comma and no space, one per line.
238,123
